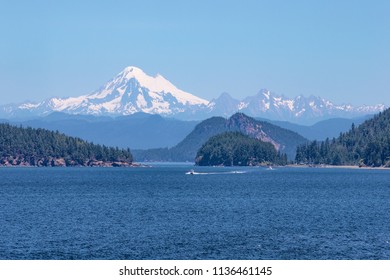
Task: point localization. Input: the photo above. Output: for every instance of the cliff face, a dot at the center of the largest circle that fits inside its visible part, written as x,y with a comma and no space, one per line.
248,126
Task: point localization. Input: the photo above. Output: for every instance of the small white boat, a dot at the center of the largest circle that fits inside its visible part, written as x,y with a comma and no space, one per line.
191,172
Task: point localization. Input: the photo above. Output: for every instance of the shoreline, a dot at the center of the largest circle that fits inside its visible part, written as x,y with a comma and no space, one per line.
338,166
99,165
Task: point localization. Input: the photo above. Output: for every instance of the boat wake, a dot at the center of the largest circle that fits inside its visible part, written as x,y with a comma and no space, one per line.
214,173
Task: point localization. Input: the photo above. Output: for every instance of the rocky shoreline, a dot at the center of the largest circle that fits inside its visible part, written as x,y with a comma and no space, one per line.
61,162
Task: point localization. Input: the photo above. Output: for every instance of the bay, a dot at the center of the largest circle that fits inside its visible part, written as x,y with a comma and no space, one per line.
219,213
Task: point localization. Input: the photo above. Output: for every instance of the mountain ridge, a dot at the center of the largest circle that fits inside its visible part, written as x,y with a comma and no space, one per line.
132,91
137,131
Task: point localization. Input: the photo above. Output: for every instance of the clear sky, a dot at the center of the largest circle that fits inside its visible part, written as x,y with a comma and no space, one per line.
339,50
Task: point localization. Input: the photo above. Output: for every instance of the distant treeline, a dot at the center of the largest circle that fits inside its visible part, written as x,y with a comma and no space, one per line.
365,145
40,147
237,149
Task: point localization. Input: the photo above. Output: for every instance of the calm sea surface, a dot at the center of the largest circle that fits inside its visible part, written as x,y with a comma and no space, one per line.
221,213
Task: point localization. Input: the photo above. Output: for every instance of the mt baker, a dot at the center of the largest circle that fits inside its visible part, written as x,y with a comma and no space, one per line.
134,91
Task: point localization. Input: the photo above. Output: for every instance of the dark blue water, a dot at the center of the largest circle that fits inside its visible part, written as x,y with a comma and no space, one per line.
162,213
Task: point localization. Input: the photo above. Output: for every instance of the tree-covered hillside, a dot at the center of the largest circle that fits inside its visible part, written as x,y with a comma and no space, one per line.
40,147
284,140
367,144
235,148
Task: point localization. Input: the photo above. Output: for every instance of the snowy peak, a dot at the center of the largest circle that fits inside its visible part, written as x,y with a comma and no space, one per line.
132,80
132,91
134,71
157,83
305,110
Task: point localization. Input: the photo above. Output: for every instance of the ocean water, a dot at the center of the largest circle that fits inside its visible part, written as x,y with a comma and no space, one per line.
219,213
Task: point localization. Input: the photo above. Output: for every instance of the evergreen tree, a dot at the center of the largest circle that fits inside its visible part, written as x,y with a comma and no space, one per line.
42,147
367,144
235,148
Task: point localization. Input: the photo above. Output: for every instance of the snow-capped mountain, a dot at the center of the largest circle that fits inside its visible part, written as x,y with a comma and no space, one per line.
128,92
134,91
300,109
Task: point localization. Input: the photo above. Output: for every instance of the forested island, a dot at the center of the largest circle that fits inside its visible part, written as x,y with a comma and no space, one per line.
40,147
365,145
284,140
237,149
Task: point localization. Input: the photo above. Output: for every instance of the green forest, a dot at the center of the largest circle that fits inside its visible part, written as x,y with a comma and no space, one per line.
365,145
40,147
237,149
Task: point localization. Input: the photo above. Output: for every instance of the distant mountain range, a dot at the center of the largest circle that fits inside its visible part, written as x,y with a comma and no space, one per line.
302,110
323,129
137,131
133,91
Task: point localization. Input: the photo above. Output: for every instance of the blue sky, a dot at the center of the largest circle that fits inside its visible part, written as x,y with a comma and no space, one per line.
339,50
